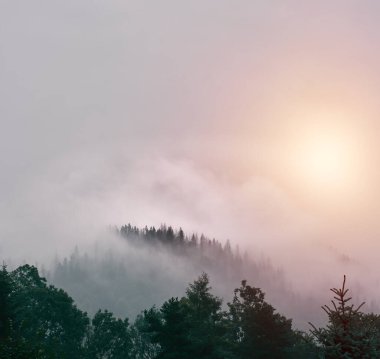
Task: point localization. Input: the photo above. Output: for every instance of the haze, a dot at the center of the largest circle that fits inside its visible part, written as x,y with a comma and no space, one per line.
256,121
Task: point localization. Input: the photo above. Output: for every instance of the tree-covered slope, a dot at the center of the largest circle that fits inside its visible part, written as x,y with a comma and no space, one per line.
136,268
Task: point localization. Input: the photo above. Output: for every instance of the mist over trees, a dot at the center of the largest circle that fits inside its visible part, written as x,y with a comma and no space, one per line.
142,267
137,298
38,320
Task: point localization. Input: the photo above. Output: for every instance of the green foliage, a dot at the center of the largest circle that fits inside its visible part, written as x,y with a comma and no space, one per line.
13,345
109,337
305,347
45,316
192,327
5,290
143,345
259,332
169,329
350,334
207,326
39,321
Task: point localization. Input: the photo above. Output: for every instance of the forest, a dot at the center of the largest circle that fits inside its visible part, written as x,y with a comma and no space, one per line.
39,320
189,179
136,268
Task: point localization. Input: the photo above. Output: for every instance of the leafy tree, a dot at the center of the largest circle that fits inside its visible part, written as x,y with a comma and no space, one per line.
258,331
5,290
349,334
304,347
10,345
45,318
109,337
143,346
169,326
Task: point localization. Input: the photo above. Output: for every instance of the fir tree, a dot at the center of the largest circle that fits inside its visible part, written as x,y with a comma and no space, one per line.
349,334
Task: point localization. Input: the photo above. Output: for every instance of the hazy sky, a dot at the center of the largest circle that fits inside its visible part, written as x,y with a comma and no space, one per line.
256,121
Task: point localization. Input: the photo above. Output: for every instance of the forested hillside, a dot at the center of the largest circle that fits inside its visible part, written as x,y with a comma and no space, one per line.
142,267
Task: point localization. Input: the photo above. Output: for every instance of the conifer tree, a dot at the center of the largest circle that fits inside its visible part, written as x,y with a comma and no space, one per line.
192,327
349,334
259,332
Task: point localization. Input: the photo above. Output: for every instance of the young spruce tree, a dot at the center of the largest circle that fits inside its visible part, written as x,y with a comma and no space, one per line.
349,334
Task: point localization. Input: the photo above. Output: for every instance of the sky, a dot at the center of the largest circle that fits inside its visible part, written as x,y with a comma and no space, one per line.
254,121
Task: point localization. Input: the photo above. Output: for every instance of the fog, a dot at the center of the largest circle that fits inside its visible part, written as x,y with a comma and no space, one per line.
130,273
192,114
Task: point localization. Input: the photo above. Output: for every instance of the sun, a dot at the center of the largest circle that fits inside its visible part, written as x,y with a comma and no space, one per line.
326,162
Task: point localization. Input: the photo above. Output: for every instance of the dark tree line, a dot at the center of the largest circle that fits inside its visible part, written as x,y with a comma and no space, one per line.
38,320
181,243
208,253
149,263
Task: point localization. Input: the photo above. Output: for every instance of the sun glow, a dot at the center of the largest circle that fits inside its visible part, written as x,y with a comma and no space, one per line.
326,160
